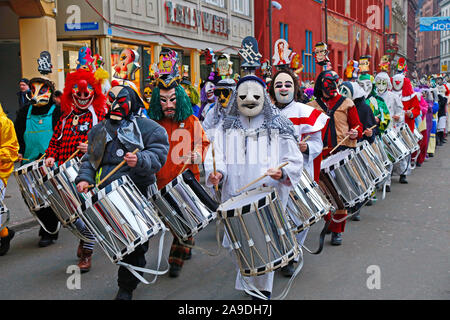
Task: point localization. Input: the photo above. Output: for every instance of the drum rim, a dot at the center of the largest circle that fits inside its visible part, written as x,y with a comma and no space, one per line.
273,265
53,173
341,163
30,167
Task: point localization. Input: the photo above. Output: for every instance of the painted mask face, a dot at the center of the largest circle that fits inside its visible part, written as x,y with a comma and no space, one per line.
82,94
330,84
119,103
367,86
40,94
250,98
364,65
349,70
321,54
168,101
398,82
346,92
381,85
148,94
223,66
224,96
209,89
127,66
284,88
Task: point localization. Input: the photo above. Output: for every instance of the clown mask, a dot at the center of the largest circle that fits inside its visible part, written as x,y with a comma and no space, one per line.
168,99
82,94
330,84
209,89
398,81
40,94
284,88
119,103
250,98
224,96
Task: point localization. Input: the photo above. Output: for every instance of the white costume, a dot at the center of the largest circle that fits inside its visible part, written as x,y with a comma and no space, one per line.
252,138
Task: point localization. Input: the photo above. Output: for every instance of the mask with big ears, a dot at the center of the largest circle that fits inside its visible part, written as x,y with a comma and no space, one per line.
250,98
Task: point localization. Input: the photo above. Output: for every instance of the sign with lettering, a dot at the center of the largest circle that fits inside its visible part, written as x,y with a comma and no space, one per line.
188,17
434,24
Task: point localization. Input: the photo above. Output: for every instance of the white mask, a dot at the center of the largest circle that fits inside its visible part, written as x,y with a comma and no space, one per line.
284,88
209,89
381,85
398,81
367,86
250,98
346,92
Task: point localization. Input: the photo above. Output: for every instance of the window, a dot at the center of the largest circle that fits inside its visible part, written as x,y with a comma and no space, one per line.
241,6
219,3
284,31
307,56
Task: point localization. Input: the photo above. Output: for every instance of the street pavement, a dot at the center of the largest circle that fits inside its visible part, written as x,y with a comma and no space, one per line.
405,237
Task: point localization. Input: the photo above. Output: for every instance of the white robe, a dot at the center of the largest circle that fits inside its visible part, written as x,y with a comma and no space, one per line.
240,166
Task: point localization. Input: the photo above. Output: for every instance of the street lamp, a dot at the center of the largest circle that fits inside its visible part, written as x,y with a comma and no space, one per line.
277,6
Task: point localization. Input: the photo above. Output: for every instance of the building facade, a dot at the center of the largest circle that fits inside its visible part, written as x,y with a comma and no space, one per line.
445,39
428,46
147,26
400,27
298,22
411,58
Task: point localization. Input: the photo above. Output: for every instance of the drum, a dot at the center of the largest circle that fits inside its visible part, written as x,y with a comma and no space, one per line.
60,188
4,216
394,146
307,203
348,177
378,147
259,231
120,217
371,163
185,206
417,135
28,178
408,138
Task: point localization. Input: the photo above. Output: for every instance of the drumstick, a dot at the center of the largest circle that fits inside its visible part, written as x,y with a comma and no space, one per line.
346,138
214,163
113,171
43,156
184,167
260,178
74,154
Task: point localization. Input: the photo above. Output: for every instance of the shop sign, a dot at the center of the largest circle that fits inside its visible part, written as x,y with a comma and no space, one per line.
192,18
83,26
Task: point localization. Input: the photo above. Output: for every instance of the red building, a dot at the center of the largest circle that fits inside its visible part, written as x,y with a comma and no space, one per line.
298,22
357,28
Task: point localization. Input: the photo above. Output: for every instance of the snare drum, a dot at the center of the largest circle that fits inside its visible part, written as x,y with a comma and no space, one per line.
4,216
28,177
259,231
60,188
408,138
120,217
394,146
307,203
185,206
371,163
378,147
350,180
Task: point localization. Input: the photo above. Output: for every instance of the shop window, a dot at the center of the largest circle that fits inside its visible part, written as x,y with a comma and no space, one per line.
116,50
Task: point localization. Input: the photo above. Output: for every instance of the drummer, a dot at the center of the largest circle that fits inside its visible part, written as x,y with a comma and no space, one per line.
109,145
83,106
9,153
34,127
344,121
254,127
172,109
308,123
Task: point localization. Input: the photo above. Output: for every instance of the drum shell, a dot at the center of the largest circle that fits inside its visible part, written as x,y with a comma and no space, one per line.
394,146
408,138
185,206
120,218
378,147
371,162
307,203
259,232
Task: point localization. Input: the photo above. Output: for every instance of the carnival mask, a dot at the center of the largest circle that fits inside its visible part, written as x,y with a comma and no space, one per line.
250,98
127,66
381,85
284,88
168,100
40,94
398,81
209,89
350,69
367,86
119,103
330,84
364,65
224,96
148,94
346,92
439,81
83,94
224,66
442,90
321,53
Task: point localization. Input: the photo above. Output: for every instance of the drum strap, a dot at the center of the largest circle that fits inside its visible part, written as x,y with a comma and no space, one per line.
134,270
321,239
331,124
209,253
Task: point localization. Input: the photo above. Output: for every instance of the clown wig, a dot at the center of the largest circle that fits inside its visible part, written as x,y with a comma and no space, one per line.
183,105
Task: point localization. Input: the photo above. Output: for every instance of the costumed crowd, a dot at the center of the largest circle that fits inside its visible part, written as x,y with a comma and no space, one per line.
261,152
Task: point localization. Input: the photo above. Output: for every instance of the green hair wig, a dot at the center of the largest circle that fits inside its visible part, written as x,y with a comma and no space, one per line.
184,106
